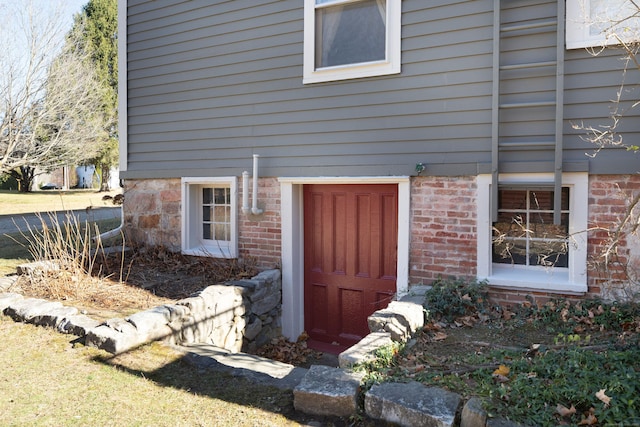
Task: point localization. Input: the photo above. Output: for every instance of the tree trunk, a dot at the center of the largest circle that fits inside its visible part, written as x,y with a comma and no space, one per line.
106,177
24,175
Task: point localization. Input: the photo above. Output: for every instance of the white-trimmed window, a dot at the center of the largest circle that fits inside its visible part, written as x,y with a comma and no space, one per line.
348,39
524,248
593,23
209,212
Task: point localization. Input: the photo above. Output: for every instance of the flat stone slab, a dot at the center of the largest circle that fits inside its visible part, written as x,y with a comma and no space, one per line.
54,317
328,391
412,404
78,325
364,350
254,368
25,310
6,299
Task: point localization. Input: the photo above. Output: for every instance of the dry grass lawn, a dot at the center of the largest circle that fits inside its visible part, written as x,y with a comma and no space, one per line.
13,202
46,380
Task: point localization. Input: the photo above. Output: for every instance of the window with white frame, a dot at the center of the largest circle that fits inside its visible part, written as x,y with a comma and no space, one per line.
209,211
348,39
524,248
594,23
524,233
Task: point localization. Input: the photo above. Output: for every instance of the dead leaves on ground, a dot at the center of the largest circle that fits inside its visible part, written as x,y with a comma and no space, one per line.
283,350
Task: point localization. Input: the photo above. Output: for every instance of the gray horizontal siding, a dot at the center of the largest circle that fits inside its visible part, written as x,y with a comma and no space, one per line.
212,84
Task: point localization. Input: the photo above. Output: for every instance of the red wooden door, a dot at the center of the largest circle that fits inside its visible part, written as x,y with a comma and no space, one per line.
350,258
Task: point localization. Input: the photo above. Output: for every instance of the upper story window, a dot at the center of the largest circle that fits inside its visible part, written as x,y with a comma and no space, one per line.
348,39
592,23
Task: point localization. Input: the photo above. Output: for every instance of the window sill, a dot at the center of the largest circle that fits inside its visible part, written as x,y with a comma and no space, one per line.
554,280
207,251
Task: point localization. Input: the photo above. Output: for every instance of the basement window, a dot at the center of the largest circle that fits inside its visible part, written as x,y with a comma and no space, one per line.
524,248
209,211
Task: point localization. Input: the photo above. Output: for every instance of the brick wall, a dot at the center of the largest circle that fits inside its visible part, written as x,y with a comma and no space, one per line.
610,196
260,235
443,228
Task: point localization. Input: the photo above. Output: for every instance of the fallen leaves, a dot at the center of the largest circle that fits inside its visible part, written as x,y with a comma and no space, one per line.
565,412
500,374
283,350
603,397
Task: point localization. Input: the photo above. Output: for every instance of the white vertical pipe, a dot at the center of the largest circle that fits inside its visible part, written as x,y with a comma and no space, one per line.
254,208
245,193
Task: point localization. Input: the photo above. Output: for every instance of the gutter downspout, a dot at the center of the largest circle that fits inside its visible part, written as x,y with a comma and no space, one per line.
115,231
254,202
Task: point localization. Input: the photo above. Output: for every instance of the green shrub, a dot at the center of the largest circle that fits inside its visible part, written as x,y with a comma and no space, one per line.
452,298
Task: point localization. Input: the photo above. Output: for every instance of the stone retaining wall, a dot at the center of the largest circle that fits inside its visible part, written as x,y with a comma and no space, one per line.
237,316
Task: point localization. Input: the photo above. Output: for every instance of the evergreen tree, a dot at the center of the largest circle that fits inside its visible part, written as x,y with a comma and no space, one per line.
97,26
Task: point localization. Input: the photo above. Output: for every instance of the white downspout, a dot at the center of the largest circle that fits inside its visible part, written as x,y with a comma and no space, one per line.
254,205
116,231
245,193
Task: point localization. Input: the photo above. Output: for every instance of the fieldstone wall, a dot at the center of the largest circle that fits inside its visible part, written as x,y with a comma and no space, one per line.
237,316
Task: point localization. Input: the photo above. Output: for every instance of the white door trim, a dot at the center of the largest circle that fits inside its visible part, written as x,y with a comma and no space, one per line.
292,214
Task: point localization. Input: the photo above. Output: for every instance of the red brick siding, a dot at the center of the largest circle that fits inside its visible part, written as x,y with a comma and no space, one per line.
609,199
443,228
260,235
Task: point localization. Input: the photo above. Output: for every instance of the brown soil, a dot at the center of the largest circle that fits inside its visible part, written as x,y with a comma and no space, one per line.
125,282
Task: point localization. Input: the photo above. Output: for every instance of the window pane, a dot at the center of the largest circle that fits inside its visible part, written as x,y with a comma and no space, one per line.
351,34
222,232
541,200
206,232
220,196
510,225
525,233
512,199
613,16
565,201
206,213
207,196
549,254
220,214
510,252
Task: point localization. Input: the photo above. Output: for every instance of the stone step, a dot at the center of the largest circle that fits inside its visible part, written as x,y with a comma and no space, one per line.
364,351
412,404
254,368
325,390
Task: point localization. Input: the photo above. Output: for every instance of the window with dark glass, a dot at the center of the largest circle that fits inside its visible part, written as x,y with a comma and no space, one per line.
350,33
525,233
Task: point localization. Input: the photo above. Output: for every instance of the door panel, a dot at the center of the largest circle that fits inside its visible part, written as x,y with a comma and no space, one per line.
350,258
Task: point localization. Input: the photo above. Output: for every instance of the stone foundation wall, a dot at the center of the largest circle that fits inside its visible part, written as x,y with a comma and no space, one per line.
152,212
